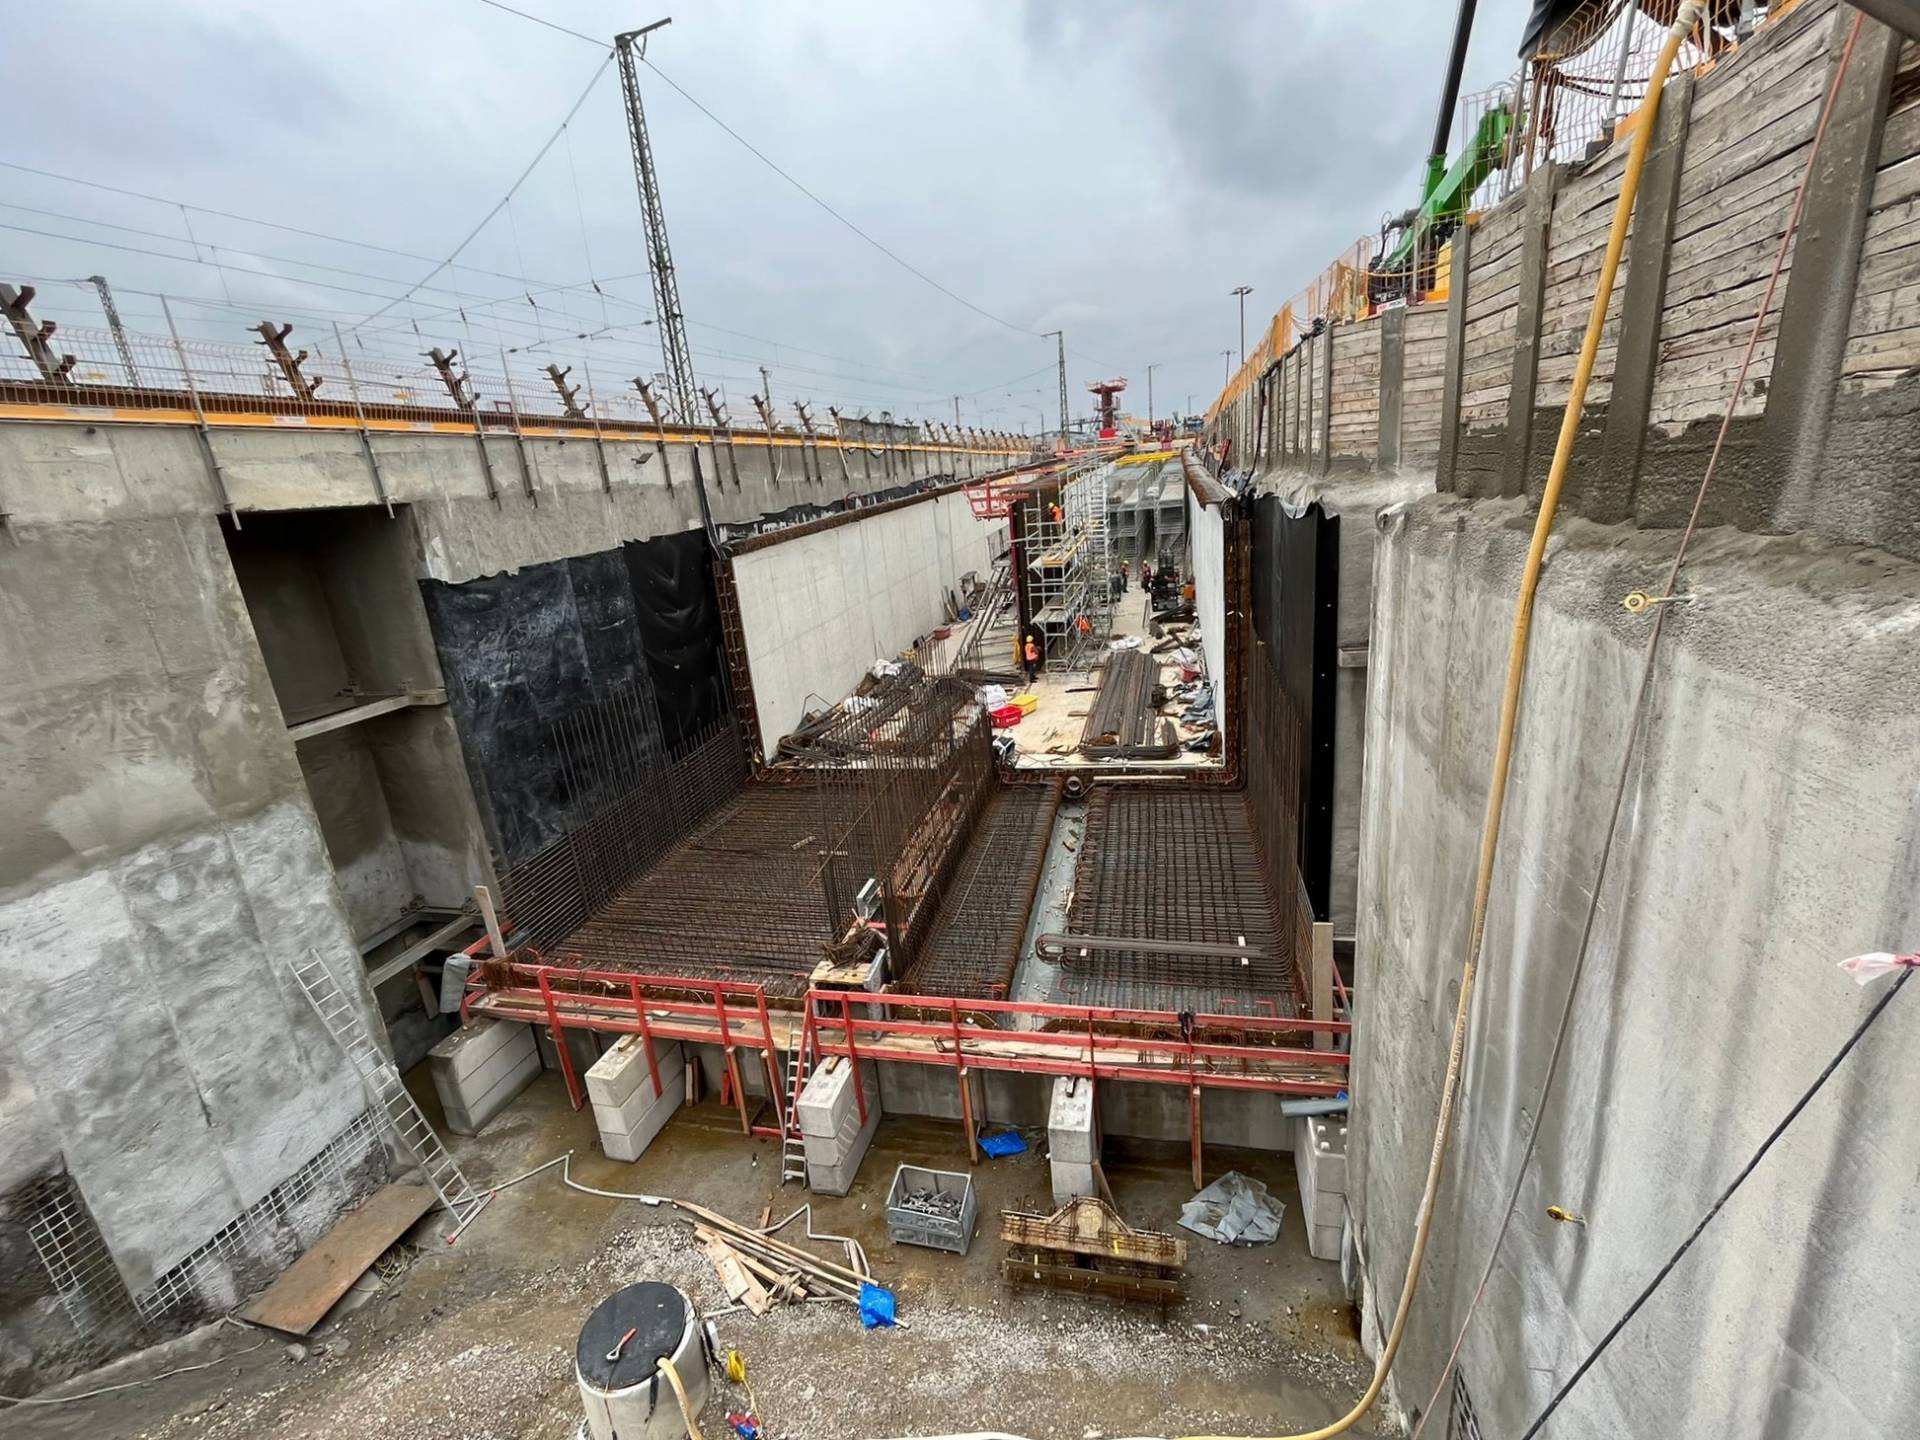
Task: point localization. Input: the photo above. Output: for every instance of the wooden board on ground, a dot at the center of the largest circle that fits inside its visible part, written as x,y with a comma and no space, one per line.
729,1265
309,1287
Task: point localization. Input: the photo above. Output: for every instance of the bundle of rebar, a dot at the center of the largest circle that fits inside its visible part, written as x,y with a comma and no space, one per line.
1121,721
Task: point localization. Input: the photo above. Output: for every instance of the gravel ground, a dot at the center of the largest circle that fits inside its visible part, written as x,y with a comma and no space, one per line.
475,1342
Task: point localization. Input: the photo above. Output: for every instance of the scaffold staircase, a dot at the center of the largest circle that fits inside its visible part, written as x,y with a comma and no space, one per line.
793,1146
993,615
392,1103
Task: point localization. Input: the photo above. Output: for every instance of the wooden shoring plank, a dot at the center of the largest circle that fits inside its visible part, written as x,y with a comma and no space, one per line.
309,1287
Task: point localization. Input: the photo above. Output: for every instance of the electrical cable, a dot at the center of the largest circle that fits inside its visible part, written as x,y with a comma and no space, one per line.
243,219
765,160
1688,15
22,1400
1753,1162
512,189
761,156
1584,948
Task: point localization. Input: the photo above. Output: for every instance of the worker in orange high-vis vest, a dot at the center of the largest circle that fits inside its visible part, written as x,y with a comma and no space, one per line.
1030,655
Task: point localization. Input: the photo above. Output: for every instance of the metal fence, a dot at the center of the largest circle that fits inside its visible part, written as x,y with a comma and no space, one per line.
401,376
1565,102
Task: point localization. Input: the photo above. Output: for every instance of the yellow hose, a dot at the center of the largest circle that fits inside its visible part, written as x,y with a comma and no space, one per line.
1509,715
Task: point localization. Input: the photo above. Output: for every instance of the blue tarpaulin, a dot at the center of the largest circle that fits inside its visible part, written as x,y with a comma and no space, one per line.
1007,1142
876,1306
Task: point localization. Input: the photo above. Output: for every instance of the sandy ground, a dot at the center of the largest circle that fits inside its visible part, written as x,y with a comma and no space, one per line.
476,1339
1049,738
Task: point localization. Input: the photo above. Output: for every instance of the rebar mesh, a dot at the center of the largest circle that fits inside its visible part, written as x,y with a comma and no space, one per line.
974,940
628,799
1182,868
688,870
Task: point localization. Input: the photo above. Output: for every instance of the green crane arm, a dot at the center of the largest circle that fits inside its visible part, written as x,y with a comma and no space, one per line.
1447,197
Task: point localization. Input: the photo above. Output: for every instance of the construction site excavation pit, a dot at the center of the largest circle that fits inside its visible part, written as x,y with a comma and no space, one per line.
480,1338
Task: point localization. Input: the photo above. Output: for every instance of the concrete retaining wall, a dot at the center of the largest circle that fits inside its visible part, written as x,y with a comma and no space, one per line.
1207,553
817,608
160,865
1769,831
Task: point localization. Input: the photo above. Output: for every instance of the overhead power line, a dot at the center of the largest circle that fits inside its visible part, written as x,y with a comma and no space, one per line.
784,174
242,219
512,189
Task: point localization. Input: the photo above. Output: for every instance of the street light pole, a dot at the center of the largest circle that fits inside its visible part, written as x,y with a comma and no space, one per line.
1150,369
1226,367
1243,291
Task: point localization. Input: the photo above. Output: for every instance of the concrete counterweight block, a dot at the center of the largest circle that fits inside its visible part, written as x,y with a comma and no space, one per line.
625,1108
1320,1162
479,1068
835,1137
1073,1145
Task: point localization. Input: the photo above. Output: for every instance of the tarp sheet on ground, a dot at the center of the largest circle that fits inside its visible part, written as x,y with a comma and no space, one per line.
1235,1211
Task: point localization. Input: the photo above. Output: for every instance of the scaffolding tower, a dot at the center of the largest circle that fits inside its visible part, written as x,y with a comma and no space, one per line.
1069,565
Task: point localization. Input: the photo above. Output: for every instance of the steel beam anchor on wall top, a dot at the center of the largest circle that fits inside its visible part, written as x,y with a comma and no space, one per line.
54,369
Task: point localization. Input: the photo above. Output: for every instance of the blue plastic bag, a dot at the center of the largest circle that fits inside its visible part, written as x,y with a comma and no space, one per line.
1007,1142
876,1306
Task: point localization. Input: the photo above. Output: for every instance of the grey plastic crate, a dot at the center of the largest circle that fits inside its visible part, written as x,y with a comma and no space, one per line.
911,1227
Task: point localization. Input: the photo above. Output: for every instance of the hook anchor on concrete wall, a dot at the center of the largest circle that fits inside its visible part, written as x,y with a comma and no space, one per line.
1638,602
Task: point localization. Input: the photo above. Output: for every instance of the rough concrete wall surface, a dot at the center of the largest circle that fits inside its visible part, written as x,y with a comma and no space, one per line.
818,608
1207,552
75,471
160,863
1768,832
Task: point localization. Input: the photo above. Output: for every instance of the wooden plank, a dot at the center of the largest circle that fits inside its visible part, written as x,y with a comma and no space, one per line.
730,1266
309,1287
367,710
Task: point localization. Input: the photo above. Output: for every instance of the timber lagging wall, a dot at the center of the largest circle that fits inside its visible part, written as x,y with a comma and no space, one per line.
1835,379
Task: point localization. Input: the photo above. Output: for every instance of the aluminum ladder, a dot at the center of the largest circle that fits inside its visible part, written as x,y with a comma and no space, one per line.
389,1096
793,1146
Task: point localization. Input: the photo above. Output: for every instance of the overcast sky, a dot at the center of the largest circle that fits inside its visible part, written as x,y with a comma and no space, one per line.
1114,169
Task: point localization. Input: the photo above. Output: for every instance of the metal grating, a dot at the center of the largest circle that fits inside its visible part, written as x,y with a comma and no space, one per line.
1462,1423
75,1257
273,1230
976,936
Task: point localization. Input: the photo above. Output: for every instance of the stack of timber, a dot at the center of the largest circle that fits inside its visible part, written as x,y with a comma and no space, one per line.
759,1270
1120,723
1086,1246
